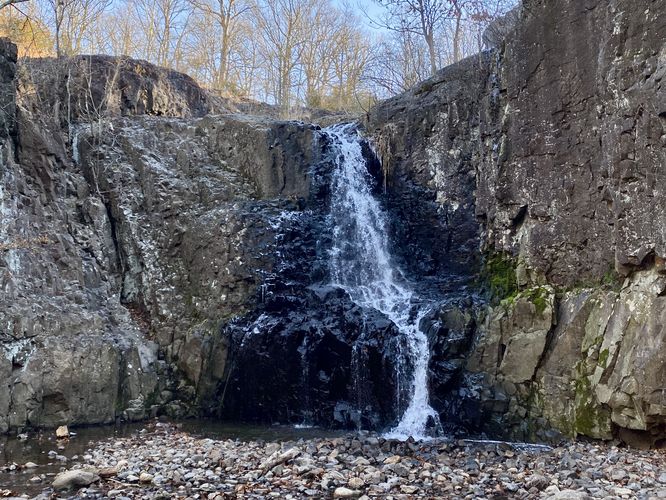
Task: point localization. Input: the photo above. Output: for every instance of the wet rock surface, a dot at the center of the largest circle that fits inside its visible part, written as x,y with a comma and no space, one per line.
163,462
307,353
335,364
545,152
125,243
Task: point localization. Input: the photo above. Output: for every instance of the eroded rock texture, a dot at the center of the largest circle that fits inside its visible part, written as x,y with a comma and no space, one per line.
69,352
158,258
547,154
133,227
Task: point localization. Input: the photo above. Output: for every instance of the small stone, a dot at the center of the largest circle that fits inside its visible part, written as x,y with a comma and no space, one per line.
408,489
400,470
74,478
622,492
569,495
538,481
30,465
144,477
62,432
107,472
356,483
35,479
345,493
618,475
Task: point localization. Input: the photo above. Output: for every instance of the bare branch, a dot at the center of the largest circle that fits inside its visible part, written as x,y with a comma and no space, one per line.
7,3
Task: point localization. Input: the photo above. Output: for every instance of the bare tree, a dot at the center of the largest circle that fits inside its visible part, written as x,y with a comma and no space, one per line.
72,22
225,15
319,52
442,24
117,32
418,17
24,27
161,24
398,63
283,25
353,55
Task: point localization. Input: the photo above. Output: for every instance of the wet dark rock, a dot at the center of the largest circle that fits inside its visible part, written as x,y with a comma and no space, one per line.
542,153
320,360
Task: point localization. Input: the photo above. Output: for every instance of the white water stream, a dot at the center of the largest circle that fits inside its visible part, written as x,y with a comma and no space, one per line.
361,264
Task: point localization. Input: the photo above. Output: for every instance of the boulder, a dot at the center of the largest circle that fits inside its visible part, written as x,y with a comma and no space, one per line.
74,479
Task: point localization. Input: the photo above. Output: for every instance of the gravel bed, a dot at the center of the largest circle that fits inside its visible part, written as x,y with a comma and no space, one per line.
164,462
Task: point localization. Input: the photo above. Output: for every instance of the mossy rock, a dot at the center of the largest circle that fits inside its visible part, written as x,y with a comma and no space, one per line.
499,277
592,419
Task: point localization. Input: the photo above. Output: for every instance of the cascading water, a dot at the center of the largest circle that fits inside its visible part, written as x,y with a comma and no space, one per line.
362,265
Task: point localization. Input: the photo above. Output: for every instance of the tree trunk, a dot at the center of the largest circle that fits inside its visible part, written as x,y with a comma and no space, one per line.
456,37
432,52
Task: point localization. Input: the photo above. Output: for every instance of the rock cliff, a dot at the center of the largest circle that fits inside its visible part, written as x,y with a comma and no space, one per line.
545,156
161,252
133,226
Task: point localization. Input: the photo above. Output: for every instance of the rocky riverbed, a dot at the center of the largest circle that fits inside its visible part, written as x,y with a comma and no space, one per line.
163,461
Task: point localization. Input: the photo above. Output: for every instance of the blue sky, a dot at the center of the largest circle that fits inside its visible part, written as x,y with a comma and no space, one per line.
371,7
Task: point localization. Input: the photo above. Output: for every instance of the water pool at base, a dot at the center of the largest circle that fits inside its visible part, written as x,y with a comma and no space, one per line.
16,452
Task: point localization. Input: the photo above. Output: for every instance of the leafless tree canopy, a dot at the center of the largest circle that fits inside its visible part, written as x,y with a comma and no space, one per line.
313,53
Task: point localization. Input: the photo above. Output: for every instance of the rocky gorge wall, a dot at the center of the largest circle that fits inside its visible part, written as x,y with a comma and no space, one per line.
545,157
161,252
132,226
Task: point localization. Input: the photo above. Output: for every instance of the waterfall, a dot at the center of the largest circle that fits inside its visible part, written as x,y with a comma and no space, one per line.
362,265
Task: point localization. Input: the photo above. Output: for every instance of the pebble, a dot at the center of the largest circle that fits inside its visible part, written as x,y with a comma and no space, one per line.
74,478
346,493
164,462
145,478
356,483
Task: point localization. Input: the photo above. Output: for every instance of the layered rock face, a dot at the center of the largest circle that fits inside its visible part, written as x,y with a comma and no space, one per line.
69,352
160,258
127,242
547,153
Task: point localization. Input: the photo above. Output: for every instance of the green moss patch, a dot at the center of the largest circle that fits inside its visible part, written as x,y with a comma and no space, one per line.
499,276
537,296
591,419
603,358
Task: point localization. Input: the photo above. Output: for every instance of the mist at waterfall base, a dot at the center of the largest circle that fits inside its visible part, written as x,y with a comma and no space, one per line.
341,337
